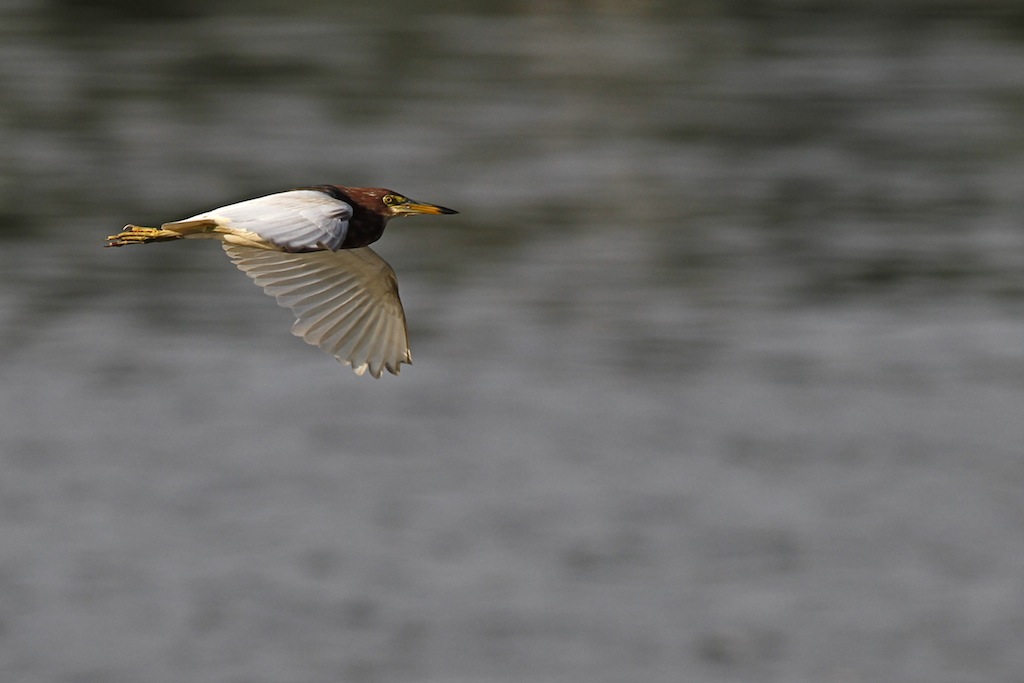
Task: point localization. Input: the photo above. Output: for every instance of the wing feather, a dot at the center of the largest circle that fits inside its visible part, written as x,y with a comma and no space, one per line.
345,302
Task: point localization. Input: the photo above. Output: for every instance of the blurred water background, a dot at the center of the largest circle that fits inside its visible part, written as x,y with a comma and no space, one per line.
719,372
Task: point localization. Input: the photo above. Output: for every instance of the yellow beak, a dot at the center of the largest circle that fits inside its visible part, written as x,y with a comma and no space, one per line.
412,208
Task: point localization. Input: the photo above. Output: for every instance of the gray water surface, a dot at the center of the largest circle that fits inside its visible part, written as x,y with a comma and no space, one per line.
719,373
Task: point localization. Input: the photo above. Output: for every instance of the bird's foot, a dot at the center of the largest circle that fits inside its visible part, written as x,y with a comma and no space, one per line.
134,234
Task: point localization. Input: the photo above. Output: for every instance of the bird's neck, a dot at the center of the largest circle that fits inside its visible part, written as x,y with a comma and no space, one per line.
363,228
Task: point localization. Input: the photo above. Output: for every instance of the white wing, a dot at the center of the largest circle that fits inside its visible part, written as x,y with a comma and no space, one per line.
345,302
297,220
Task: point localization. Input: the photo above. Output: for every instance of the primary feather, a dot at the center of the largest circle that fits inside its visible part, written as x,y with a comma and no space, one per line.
345,302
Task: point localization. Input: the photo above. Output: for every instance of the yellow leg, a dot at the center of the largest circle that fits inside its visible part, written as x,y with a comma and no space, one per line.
134,234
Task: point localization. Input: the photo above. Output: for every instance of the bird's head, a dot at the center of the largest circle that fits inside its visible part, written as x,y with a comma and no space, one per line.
389,204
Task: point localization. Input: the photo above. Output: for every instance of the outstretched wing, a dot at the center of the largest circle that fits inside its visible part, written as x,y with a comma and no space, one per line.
295,221
345,302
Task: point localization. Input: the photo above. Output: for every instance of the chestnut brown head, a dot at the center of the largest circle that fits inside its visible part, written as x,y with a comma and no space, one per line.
389,204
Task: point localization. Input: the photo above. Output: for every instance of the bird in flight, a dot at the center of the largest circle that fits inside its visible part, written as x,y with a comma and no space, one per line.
308,248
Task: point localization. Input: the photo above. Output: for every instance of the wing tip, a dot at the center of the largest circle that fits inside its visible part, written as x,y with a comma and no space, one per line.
376,370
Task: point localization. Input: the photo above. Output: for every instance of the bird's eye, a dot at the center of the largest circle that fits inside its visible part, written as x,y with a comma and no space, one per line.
390,199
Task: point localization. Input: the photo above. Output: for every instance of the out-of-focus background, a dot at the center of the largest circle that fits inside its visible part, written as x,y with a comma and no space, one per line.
719,372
